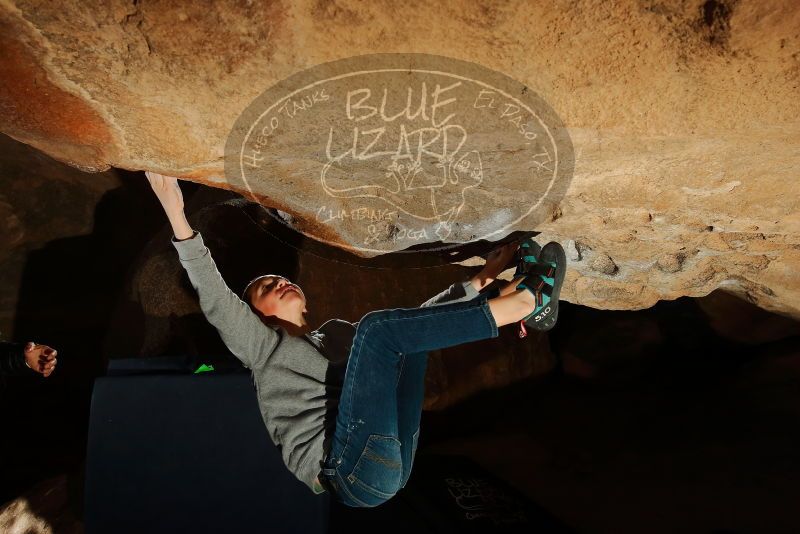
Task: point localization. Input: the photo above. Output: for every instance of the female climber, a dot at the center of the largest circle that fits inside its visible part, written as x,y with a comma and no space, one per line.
355,435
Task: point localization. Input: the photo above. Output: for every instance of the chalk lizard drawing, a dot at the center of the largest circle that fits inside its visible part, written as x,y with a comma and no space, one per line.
411,183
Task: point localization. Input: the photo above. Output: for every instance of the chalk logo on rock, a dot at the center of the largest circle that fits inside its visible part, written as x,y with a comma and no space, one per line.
381,152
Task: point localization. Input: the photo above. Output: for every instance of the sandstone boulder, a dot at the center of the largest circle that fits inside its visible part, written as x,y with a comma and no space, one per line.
683,116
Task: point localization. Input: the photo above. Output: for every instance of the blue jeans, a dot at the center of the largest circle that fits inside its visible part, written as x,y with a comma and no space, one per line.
377,427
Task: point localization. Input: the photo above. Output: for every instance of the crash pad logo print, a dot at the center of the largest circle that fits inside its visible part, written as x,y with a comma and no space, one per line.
391,150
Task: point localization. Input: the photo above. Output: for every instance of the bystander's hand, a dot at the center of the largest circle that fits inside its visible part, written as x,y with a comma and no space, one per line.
41,358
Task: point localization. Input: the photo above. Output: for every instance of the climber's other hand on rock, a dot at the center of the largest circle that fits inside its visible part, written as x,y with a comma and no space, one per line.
498,259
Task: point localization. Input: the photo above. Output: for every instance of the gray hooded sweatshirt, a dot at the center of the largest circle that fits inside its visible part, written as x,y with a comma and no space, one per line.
297,379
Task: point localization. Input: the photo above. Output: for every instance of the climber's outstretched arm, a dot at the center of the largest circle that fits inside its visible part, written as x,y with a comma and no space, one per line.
241,330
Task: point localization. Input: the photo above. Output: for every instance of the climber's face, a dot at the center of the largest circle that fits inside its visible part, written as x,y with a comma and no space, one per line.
275,296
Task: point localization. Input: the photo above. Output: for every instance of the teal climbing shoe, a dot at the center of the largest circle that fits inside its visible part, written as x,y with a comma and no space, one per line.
544,276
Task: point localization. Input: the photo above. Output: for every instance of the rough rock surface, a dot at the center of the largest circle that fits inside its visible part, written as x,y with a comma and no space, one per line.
683,113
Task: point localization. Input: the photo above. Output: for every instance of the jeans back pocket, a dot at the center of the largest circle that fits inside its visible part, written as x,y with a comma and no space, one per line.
379,469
